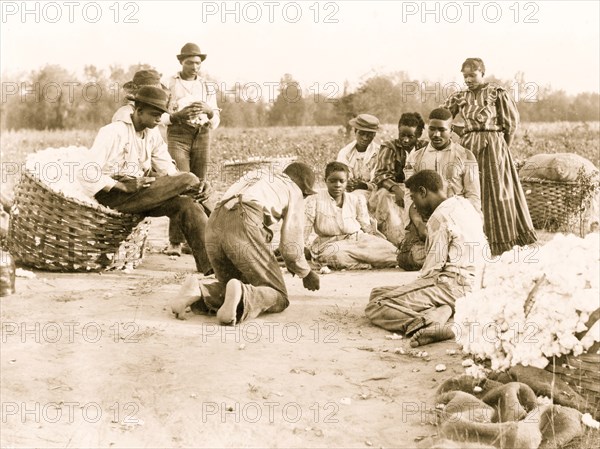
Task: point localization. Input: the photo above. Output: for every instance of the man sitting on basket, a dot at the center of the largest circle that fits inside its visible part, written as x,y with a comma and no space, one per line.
130,170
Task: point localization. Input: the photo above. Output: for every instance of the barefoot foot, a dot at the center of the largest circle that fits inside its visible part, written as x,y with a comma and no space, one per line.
227,313
188,294
431,334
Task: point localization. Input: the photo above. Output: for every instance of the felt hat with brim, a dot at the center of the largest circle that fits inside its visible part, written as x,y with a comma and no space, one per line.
153,96
303,176
144,78
190,49
365,122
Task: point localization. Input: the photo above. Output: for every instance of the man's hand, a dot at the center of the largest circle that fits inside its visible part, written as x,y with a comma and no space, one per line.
311,281
205,108
132,185
356,184
417,220
205,190
414,214
459,130
192,111
200,191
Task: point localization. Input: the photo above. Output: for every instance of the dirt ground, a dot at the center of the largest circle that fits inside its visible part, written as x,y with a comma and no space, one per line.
97,360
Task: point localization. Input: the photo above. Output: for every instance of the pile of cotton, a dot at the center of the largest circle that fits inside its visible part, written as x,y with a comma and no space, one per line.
531,308
57,169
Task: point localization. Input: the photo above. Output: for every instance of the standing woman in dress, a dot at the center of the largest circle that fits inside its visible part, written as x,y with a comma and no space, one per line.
491,119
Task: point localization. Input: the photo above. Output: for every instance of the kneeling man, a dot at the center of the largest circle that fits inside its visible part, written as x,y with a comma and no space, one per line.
238,237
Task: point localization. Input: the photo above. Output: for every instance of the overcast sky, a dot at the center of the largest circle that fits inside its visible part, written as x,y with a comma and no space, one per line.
553,42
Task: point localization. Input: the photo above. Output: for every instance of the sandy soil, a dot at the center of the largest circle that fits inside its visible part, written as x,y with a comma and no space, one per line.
97,360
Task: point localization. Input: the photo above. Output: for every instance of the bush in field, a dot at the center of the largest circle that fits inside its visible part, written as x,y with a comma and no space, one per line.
558,137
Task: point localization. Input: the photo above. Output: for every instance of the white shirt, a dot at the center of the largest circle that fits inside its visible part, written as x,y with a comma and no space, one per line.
120,150
281,199
193,90
455,240
362,165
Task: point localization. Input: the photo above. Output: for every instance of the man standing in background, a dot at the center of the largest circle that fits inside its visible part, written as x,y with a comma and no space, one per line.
193,113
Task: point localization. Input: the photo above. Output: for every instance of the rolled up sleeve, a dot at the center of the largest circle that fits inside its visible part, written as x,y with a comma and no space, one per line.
292,236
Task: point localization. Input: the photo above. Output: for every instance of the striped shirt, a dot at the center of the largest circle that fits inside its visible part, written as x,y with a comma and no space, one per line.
390,162
457,167
327,219
489,108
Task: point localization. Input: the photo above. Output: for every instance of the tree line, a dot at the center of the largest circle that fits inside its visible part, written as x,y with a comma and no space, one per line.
54,98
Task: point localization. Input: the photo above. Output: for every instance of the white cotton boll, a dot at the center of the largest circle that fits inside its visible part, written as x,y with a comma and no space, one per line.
587,420
200,119
476,371
586,300
56,169
567,340
562,304
577,349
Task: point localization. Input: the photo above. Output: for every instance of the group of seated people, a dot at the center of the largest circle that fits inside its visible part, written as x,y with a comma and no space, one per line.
366,218
425,195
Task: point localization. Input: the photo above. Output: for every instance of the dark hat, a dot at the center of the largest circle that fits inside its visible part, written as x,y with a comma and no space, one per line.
303,176
365,122
190,49
144,78
153,96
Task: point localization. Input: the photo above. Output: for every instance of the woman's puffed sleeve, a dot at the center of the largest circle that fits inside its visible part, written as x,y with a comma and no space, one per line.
508,114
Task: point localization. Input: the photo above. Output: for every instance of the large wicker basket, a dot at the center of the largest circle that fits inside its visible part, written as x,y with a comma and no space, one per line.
581,372
49,231
556,206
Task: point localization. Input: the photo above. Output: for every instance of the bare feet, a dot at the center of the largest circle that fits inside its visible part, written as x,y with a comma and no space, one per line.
188,294
432,333
174,249
434,316
227,314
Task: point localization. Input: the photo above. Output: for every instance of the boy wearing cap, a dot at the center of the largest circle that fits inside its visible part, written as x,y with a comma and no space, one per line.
193,113
360,155
249,279
129,169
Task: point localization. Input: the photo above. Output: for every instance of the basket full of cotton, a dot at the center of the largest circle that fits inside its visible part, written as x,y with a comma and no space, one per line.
55,226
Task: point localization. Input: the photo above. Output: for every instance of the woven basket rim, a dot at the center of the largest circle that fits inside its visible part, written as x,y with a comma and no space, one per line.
547,181
96,208
259,161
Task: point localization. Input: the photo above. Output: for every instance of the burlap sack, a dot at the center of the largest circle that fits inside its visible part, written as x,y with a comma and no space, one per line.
560,167
559,426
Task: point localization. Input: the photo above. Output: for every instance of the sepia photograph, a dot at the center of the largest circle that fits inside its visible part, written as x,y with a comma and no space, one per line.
300,224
